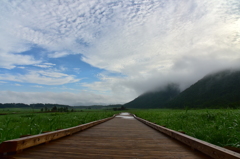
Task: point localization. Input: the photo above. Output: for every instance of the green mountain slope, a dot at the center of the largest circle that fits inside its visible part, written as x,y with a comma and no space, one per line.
217,90
156,99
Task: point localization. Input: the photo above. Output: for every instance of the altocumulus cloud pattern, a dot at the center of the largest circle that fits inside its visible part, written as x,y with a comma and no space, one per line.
105,51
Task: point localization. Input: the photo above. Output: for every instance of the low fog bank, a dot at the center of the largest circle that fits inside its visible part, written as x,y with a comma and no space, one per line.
184,78
124,90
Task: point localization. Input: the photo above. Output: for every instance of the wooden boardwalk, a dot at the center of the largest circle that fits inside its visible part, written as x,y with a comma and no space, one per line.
121,137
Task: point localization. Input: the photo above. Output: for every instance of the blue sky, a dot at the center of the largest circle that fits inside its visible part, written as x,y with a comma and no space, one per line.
110,51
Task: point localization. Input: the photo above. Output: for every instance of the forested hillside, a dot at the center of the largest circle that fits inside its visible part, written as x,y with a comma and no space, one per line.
217,90
155,99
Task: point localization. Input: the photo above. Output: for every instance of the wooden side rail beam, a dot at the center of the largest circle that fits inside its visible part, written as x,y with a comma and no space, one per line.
17,145
211,150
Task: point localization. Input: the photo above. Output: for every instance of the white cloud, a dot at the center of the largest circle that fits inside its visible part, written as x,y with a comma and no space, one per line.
178,42
41,77
16,84
46,65
58,54
37,86
9,61
62,68
77,70
150,43
12,46
168,34
83,98
1,82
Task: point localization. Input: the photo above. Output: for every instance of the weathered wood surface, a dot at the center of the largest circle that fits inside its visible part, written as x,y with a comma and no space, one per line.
121,137
17,145
214,151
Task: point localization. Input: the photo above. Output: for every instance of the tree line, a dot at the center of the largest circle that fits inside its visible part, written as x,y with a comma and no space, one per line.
56,109
34,105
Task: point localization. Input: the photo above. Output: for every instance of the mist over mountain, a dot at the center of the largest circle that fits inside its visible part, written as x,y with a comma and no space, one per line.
217,90
155,99
92,52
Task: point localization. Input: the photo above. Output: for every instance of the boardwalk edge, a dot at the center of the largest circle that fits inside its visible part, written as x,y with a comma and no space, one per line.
211,150
17,145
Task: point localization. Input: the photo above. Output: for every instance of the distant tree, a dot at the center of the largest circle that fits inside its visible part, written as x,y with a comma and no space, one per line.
37,105
123,108
9,105
61,109
21,105
54,109
65,109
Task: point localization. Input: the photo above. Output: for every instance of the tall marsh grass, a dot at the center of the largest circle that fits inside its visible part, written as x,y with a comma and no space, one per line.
15,125
220,127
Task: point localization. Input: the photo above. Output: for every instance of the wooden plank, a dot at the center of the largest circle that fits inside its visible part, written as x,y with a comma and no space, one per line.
117,138
16,145
209,149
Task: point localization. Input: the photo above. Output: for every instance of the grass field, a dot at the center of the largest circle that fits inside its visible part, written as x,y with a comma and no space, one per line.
15,125
220,126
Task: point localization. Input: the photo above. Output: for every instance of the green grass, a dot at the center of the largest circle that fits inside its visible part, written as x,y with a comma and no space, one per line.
220,126
217,126
15,125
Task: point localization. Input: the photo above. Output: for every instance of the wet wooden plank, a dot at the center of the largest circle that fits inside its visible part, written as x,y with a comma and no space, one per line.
117,138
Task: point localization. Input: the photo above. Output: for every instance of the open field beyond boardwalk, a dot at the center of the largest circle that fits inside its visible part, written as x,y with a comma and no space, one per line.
219,126
15,125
